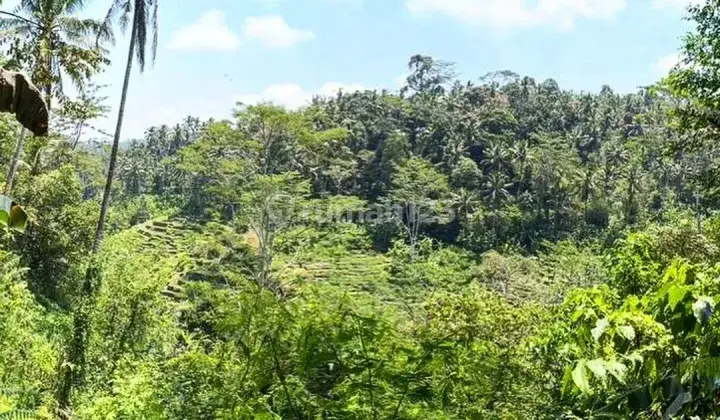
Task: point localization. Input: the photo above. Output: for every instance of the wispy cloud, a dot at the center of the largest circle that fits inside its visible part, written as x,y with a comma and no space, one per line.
273,32
208,33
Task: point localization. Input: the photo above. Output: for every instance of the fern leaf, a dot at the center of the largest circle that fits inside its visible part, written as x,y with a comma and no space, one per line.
18,415
708,367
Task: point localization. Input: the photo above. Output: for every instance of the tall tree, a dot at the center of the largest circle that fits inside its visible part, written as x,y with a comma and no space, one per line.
419,191
144,20
695,80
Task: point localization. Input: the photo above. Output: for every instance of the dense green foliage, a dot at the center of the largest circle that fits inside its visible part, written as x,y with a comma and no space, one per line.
494,249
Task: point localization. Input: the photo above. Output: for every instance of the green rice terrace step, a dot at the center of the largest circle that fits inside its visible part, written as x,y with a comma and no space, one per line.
356,274
178,239
175,239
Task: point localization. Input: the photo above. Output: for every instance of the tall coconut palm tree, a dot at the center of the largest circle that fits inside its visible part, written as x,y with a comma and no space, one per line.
465,202
144,20
496,189
144,15
521,156
586,185
495,156
633,185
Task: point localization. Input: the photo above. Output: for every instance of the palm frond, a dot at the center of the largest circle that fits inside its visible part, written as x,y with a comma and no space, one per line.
103,34
708,367
118,11
15,28
15,20
140,25
73,7
28,6
81,31
124,19
154,23
55,8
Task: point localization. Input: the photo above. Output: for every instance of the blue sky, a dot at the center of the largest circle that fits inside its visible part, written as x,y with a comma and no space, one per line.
213,53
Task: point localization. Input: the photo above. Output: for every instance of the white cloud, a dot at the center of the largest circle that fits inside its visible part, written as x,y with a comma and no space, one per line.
663,65
273,32
293,96
209,33
504,14
675,4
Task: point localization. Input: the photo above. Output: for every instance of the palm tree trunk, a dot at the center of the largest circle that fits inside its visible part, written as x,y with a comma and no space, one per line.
14,161
72,370
116,142
48,97
49,68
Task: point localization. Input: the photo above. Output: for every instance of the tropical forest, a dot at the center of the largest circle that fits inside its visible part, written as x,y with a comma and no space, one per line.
491,246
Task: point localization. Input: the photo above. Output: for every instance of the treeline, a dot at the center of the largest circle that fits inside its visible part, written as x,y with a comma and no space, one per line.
520,162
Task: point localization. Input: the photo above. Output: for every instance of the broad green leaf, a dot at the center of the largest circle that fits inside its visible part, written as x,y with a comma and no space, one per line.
675,295
597,367
635,357
616,369
600,328
5,207
664,289
577,314
627,331
580,377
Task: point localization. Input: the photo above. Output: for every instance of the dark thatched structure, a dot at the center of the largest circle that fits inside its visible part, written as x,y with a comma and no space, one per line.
20,97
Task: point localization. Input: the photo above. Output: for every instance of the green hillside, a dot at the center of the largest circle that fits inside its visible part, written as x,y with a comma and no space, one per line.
461,247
